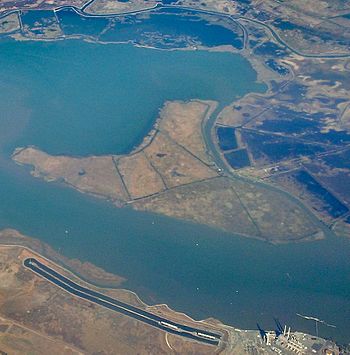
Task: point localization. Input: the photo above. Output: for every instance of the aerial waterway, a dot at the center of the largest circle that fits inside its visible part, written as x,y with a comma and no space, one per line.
106,101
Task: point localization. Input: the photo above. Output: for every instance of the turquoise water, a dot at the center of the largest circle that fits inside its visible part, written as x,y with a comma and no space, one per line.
87,98
80,98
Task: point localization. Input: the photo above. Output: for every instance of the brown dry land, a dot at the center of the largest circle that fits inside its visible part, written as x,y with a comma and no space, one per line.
86,270
9,24
185,126
117,7
6,5
342,228
38,317
164,160
95,175
315,26
225,6
308,26
172,173
236,207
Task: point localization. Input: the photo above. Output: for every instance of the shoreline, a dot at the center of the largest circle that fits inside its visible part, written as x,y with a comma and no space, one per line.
143,195
264,76
96,285
34,324
158,310
232,17
330,234
230,335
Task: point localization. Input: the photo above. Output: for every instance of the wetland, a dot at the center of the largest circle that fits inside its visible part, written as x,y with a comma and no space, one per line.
203,271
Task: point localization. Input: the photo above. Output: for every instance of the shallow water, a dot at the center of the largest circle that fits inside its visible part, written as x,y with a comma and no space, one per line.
86,98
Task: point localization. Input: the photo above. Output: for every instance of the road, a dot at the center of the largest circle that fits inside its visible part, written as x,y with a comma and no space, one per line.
235,18
75,289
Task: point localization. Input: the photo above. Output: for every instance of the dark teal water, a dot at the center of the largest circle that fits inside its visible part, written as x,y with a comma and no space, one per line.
81,98
163,28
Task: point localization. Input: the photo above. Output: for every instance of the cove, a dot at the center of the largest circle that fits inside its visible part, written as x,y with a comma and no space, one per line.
62,97
86,98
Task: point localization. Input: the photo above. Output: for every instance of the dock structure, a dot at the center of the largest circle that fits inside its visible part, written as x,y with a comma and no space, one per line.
290,342
284,341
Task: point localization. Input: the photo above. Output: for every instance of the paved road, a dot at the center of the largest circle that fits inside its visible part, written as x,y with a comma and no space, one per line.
68,285
234,17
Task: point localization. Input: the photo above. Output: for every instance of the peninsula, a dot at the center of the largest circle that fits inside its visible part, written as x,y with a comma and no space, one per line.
271,165
173,173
